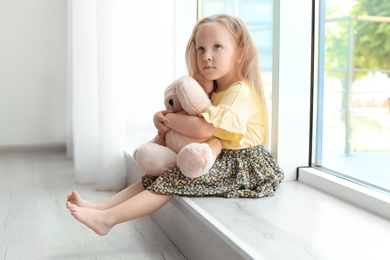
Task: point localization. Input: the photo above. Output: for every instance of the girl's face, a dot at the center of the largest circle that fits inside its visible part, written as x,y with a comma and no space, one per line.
217,54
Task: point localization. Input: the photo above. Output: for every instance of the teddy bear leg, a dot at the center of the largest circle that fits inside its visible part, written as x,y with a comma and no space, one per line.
154,159
195,159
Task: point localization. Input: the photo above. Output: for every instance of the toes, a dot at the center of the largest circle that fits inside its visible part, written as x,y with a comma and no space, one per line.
71,206
73,195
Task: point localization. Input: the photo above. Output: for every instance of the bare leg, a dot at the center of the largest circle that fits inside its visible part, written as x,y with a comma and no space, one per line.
101,221
125,194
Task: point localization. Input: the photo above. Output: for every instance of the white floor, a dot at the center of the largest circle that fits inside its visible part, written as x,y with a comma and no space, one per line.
35,224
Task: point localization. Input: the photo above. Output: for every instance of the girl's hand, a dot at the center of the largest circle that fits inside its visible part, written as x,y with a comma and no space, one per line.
207,85
160,120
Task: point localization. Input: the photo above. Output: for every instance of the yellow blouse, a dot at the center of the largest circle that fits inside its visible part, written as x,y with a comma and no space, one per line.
236,111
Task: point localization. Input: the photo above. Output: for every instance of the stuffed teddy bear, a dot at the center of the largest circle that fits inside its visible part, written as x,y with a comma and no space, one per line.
193,156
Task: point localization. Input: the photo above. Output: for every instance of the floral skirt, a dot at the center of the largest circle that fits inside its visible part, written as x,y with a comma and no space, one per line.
246,173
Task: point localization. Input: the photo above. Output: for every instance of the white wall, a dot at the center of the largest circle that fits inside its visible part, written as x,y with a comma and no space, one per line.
33,49
32,72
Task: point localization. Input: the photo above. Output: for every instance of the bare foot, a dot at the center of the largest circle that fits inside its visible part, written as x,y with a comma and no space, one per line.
92,218
75,198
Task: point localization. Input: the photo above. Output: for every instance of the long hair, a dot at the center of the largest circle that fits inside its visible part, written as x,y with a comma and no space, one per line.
249,68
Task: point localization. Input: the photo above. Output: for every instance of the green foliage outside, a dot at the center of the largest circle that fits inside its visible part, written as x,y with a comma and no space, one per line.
370,52
371,39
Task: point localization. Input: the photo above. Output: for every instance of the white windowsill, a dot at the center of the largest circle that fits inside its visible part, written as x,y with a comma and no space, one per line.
364,197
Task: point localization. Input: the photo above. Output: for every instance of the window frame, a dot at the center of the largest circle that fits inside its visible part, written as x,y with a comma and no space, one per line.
291,93
346,189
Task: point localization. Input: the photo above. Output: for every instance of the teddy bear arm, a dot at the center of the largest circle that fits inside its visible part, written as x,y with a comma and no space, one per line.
158,139
177,141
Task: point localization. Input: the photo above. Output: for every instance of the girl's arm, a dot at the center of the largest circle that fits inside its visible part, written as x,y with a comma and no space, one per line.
192,126
160,121
187,125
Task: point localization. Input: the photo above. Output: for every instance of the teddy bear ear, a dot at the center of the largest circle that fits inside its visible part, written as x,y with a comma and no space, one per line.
171,101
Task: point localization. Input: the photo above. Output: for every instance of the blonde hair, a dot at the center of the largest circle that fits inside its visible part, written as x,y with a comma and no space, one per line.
249,68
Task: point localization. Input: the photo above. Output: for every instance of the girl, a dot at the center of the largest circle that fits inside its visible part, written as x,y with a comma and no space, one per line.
219,52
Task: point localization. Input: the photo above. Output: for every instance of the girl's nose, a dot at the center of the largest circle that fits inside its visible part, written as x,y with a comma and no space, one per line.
207,56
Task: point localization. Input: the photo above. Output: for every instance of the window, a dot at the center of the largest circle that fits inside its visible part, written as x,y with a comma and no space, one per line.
352,127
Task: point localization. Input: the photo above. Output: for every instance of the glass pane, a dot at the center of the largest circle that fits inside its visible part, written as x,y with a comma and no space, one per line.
353,128
258,15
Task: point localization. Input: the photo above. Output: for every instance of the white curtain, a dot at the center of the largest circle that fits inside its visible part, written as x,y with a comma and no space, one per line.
121,56
97,80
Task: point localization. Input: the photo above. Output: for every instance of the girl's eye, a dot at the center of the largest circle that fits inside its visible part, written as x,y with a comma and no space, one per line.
217,47
200,49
